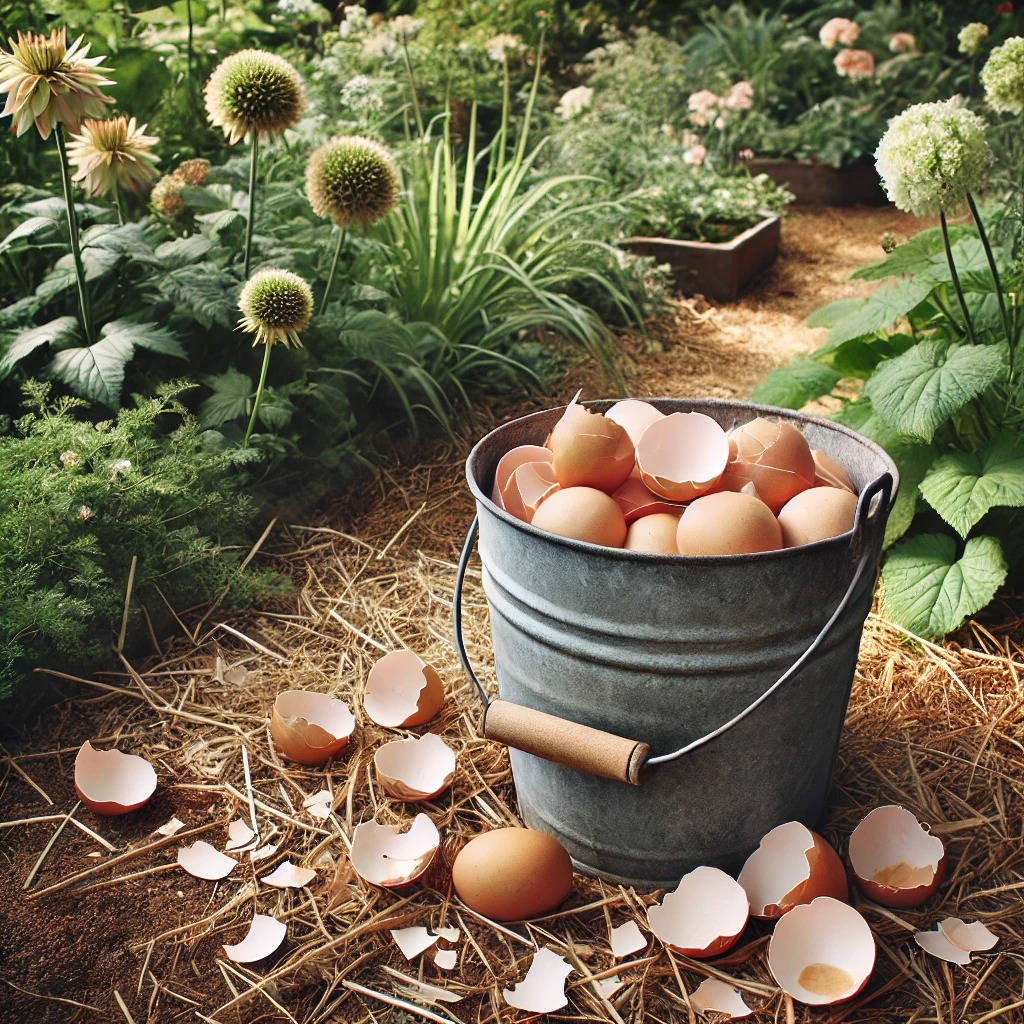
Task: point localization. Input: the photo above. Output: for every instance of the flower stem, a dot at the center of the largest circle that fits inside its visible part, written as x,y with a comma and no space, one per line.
76,251
412,88
252,204
122,215
1004,314
969,326
259,394
334,267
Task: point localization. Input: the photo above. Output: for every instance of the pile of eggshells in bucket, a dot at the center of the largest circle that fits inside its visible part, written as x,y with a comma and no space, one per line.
821,951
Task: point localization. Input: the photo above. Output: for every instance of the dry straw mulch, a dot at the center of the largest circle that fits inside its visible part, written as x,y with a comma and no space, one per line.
934,728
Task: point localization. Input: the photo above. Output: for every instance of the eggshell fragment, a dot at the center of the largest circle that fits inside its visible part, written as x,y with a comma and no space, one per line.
822,952
263,852
582,513
418,768
446,959
792,865
634,416
203,861
319,804
775,457
627,938
239,834
727,523
590,450
704,916
528,486
384,855
817,514
829,473
895,861
510,462
714,997
289,876
543,988
512,874
637,500
655,534
413,941
309,727
264,936
110,782
173,826
954,940
682,456
402,690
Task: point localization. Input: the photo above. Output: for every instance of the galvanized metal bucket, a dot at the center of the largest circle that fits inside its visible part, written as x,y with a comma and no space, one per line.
735,670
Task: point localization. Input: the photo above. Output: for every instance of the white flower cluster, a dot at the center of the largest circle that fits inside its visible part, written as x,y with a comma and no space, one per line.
503,45
971,37
932,155
360,94
574,102
304,8
1003,77
355,23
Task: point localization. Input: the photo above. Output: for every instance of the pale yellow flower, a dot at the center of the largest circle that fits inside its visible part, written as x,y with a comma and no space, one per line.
48,82
113,154
276,306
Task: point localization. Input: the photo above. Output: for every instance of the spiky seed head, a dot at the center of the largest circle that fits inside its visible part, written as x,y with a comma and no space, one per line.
113,154
47,82
276,305
166,197
352,179
254,91
192,172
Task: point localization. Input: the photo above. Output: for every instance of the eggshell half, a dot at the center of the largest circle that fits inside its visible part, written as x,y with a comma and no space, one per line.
526,488
589,450
637,500
634,416
201,860
704,916
682,455
954,940
309,727
792,865
727,523
510,462
109,782
582,513
384,855
418,768
822,952
817,514
775,457
895,861
263,938
402,690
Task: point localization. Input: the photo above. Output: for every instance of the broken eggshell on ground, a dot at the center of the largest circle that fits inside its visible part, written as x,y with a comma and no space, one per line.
714,998
384,855
682,456
627,938
418,768
792,865
704,916
543,988
263,938
309,727
896,862
402,690
289,876
954,940
201,860
110,782
822,952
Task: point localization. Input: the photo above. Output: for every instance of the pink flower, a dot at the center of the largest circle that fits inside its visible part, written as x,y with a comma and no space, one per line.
695,155
902,42
838,30
854,64
745,154
740,96
700,104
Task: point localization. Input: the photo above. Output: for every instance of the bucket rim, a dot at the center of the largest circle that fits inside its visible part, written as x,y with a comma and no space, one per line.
839,543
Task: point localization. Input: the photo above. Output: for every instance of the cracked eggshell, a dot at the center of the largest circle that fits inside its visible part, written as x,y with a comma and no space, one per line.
402,690
239,835
590,450
792,865
727,523
822,952
289,876
633,416
627,938
263,938
704,916
201,860
714,998
775,457
523,455
682,456
418,768
582,513
830,473
817,514
954,940
109,782
384,855
527,487
309,727
896,862
637,500
543,988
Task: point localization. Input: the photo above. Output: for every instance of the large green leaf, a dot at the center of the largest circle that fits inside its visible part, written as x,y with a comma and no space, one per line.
830,315
918,391
919,254
914,461
181,252
885,306
928,590
148,336
95,372
64,328
793,386
963,486
232,391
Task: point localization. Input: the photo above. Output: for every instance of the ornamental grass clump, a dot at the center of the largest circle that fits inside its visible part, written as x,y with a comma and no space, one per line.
276,306
256,93
1003,77
351,180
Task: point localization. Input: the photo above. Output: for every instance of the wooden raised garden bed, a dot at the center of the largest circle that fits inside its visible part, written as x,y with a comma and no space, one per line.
821,185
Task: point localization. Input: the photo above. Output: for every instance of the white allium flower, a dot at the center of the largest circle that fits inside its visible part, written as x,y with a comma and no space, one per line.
405,27
380,46
503,45
1003,77
971,37
356,22
359,93
574,102
932,155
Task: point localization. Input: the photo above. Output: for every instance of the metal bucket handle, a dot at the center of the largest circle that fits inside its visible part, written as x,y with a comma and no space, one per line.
616,757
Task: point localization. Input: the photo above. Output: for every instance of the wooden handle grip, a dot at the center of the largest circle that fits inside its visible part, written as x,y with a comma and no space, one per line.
577,746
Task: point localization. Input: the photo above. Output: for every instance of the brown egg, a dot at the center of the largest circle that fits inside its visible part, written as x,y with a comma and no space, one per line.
512,874
727,523
588,450
816,514
582,513
775,457
655,533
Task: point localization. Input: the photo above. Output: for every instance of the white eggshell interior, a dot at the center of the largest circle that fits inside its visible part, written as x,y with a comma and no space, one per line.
263,852
633,416
203,861
511,461
707,905
891,847
821,952
173,826
331,714
543,988
627,938
974,937
777,866
716,997
413,941
939,945
393,687
446,959
264,936
423,764
684,447
239,834
528,486
289,876
383,855
108,776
